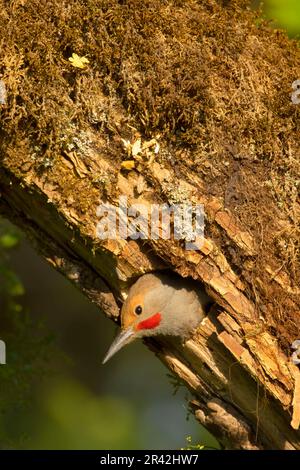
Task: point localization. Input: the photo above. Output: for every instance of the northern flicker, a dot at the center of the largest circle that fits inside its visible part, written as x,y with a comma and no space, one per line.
158,304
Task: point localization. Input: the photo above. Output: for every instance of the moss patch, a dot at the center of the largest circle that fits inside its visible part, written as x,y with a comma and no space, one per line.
208,76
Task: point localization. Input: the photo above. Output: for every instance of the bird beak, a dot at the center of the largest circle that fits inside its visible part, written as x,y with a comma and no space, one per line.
123,338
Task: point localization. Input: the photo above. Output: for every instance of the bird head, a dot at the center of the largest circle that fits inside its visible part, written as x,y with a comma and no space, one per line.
157,305
141,314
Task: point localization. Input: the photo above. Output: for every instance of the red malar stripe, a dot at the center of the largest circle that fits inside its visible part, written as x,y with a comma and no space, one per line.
151,322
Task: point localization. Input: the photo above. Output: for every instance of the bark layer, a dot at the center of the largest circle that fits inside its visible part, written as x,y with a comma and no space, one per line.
203,113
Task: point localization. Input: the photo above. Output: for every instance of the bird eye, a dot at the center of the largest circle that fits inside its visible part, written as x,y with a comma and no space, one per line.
138,310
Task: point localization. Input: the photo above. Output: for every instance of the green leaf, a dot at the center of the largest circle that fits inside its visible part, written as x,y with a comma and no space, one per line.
10,282
9,240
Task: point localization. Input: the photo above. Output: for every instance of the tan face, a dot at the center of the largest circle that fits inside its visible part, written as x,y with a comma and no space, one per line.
132,310
131,323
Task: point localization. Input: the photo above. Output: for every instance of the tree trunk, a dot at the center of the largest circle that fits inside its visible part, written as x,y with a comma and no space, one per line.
203,91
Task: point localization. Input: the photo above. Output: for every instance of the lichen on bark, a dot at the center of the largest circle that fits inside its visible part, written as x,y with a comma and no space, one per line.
211,83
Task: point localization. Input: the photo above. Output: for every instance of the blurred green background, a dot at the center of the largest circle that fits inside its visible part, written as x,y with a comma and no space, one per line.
55,394
285,13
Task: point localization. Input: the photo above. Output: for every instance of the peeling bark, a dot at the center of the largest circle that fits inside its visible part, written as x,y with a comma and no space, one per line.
232,365
246,389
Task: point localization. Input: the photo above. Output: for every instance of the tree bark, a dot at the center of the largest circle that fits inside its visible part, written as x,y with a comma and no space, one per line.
53,176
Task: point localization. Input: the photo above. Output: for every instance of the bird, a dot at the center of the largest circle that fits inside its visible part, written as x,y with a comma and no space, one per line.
160,304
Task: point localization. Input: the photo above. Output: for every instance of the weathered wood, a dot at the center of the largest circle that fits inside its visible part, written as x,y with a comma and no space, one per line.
245,387
231,359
